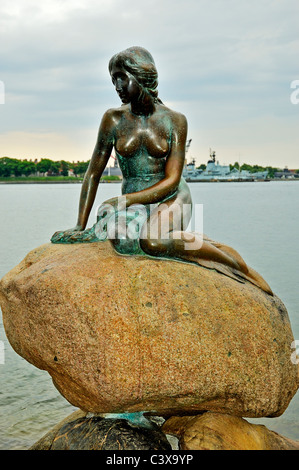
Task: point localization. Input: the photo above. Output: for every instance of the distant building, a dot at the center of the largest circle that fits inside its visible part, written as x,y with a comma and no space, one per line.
113,170
286,174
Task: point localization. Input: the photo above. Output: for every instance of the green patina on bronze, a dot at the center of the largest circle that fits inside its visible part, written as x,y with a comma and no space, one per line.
149,140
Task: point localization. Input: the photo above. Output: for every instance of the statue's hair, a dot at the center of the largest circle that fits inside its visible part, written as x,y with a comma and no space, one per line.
140,63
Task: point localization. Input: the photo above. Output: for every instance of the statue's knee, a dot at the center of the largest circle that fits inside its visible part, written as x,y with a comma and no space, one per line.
152,247
148,245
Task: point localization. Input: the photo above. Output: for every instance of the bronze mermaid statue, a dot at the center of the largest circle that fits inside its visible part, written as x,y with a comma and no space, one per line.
149,140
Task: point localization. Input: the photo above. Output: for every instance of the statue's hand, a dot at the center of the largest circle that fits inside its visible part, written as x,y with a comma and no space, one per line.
65,233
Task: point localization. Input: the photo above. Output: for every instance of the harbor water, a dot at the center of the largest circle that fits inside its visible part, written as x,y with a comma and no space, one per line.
258,219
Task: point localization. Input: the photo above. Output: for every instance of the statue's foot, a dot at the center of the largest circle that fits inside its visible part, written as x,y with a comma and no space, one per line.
240,268
259,281
235,273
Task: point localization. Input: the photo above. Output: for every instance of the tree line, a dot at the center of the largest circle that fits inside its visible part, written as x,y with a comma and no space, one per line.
10,167
14,167
255,168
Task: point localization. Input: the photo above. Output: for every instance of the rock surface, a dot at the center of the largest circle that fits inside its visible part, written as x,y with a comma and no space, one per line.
45,442
108,434
214,431
124,334
81,432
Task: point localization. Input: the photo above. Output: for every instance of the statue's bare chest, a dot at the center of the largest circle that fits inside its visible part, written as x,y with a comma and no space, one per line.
147,135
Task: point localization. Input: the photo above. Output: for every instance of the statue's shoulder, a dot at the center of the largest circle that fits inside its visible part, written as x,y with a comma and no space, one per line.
113,115
175,116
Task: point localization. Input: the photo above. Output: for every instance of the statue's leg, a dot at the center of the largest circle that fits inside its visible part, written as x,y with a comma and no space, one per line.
244,268
164,234
231,252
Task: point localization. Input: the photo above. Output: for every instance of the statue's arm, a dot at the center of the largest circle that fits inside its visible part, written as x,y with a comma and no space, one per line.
173,168
98,162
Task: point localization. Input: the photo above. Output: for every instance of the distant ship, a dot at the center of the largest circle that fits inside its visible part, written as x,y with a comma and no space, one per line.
215,172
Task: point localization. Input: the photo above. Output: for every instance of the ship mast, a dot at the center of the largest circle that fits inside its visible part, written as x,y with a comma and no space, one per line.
187,146
213,155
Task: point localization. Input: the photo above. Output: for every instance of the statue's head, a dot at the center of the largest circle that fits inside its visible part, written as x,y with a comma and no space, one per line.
138,62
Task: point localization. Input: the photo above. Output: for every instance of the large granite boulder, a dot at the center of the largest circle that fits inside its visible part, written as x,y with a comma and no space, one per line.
126,334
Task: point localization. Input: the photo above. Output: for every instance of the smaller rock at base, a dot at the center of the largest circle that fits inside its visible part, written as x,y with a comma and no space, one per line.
108,434
215,431
45,442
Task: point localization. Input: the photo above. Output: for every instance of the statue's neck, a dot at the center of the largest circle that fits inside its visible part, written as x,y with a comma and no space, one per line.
143,107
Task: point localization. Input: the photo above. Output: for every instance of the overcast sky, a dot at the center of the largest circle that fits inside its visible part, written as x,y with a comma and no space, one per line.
227,65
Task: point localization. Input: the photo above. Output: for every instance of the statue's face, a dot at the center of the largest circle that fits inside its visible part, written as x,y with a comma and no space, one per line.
125,84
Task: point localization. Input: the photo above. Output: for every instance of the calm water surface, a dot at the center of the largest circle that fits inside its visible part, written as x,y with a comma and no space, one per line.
260,220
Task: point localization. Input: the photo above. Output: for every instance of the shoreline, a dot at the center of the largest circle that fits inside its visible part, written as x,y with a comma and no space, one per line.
53,182
120,181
